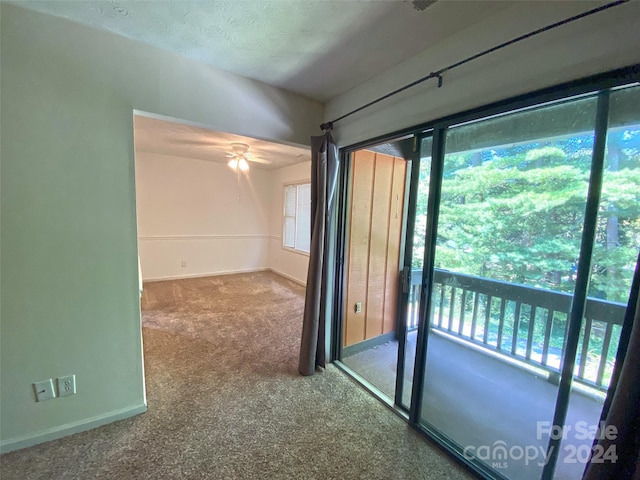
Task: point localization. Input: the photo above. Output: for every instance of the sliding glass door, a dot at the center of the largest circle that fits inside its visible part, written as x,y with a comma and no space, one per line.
615,250
372,328
512,347
386,226
506,270
511,211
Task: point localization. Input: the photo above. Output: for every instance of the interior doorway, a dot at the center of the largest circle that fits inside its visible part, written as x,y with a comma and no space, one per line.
211,202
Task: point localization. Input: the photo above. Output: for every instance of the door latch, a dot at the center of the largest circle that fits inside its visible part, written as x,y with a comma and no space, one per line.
406,279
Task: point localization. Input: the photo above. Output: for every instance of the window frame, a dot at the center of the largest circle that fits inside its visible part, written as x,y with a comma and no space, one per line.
283,246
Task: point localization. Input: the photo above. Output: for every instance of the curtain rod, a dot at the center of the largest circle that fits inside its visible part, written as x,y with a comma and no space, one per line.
438,73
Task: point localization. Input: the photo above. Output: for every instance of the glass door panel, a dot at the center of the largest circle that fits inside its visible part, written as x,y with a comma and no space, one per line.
613,262
510,222
373,256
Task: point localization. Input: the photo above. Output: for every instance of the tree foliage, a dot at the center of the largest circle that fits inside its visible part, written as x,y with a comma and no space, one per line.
516,213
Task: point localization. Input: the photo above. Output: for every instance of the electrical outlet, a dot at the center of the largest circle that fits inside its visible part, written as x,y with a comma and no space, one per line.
183,263
358,307
44,390
66,385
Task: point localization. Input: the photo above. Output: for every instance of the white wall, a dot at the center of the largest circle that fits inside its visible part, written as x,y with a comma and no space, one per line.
188,210
69,284
196,211
605,41
284,261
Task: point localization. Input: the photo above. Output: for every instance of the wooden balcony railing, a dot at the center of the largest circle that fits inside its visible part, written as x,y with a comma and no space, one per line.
525,323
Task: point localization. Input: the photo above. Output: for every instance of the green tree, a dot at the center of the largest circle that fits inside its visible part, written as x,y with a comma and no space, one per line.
516,213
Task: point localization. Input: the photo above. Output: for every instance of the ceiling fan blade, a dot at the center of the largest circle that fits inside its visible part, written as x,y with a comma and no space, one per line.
259,160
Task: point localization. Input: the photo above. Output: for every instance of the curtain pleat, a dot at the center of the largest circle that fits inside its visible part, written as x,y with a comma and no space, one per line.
324,176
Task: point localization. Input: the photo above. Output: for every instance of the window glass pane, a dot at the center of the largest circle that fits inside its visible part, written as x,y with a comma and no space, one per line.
296,223
613,262
510,223
373,261
303,212
290,200
618,233
289,239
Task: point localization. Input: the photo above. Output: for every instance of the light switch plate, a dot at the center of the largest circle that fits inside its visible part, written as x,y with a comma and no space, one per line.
66,385
44,390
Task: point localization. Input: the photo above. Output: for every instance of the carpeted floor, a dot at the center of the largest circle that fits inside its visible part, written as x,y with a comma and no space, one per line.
225,401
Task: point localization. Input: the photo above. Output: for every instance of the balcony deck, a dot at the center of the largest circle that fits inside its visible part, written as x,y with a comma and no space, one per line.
478,399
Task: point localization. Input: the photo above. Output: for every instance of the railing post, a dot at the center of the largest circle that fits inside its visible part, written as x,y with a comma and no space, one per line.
516,327
532,323
463,307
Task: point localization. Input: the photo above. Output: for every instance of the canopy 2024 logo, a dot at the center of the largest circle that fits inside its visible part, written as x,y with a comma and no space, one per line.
499,454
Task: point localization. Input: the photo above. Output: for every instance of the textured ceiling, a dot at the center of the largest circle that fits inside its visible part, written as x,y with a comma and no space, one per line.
182,140
318,48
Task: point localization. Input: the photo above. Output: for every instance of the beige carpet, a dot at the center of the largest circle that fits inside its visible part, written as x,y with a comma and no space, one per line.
226,401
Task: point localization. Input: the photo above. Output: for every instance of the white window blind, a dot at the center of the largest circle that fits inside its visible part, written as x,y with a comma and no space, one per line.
297,217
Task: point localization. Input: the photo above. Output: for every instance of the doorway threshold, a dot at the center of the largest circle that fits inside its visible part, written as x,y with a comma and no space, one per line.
372,390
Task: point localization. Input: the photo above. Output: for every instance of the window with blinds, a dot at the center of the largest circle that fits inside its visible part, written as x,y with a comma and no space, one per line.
296,228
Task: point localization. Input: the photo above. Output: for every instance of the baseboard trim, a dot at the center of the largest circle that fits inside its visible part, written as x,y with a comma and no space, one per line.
70,428
226,272
288,277
207,274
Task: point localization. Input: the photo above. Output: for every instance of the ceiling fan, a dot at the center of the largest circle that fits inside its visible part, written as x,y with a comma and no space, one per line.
240,157
239,152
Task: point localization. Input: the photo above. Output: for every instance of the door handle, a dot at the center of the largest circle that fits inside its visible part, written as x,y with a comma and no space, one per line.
406,279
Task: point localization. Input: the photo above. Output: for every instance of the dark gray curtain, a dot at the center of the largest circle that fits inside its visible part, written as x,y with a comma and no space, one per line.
324,176
622,406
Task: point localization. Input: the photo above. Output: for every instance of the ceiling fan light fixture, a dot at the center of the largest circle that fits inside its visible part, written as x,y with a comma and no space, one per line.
243,158
239,148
